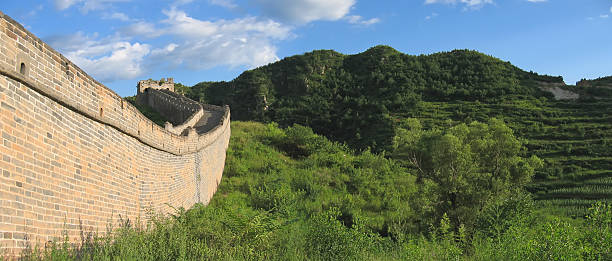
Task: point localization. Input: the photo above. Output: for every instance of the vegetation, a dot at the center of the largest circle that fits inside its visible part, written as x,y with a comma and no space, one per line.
289,194
349,98
180,88
449,156
362,100
601,81
572,138
466,166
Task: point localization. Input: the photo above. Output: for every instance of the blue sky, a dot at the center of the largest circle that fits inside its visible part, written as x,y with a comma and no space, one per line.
119,42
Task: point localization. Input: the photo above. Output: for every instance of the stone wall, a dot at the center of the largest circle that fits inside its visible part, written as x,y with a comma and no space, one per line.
74,155
157,85
176,108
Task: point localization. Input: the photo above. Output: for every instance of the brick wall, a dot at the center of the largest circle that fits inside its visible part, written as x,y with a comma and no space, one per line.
73,153
176,108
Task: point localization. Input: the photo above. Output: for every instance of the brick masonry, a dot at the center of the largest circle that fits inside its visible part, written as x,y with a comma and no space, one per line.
74,155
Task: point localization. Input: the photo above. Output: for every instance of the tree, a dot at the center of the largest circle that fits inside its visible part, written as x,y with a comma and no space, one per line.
468,166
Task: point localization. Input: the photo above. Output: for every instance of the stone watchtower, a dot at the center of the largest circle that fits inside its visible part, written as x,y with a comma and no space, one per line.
143,97
162,84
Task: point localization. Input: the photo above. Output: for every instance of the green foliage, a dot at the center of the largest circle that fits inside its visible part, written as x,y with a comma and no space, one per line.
571,137
329,203
181,89
349,98
362,99
601,81
468,166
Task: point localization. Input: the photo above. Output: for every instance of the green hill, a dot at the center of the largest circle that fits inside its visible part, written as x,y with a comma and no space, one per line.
349,98
602,81
361,99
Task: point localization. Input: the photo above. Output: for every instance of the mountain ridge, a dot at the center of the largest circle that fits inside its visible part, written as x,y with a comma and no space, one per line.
347,97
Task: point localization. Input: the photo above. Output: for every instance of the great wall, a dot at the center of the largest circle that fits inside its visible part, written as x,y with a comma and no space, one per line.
76,157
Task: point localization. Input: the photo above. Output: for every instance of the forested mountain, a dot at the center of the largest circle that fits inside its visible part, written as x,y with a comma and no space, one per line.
363,99
601,81
349,98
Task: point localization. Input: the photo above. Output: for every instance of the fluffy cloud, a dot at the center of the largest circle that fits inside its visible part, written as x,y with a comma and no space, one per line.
205,44
107,59
305,11
141,29
180,40
468,3
197,44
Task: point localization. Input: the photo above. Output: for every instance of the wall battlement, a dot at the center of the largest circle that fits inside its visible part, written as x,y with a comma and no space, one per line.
176,108
74,155
162,84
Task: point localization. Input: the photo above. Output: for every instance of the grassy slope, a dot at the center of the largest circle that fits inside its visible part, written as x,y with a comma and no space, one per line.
572,137
285,196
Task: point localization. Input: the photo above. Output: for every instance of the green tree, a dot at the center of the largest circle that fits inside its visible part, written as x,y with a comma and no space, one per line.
467,166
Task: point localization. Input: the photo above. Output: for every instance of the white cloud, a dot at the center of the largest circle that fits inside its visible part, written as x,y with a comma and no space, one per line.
63,4
196,44
610,9
604,16
305,11
184,41
141,29
473,4
206,44
107,59
117,16
86,5
358,20
124,61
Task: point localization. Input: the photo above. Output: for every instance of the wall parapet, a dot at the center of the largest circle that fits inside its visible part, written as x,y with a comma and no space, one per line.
189,123
56,77
75,157
176,108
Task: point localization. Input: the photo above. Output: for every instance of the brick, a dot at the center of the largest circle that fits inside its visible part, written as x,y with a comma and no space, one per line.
78,163
6,106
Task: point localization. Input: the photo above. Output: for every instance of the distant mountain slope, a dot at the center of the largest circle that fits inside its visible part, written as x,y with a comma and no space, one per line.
349,97
599,82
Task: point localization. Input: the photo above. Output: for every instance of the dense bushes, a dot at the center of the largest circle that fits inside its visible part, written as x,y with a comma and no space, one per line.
288,194
466,166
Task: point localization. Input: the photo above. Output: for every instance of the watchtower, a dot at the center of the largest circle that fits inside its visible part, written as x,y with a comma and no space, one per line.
162,84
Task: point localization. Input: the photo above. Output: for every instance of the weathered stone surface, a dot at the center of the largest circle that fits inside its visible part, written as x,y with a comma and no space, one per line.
74,154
